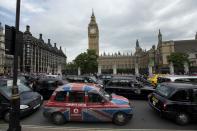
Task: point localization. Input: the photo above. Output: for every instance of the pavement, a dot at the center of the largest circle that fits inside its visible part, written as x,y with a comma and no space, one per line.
4,127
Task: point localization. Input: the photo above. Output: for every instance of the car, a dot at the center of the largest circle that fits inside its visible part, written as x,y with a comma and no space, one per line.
143,80
177,78
80,79
81,102
177,101
84,79
30,78
46,86
105,78
193,74
128,87
29,101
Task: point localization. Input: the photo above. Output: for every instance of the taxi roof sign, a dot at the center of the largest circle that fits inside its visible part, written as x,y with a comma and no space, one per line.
10,82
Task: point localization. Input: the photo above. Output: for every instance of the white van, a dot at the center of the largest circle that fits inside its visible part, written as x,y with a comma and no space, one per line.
177,78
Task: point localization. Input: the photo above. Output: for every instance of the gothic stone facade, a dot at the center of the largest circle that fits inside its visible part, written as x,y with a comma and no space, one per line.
155,58
41,57
93,34
121,61
165,48
127,61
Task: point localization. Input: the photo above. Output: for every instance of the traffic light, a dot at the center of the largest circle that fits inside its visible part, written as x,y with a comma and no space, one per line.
10,40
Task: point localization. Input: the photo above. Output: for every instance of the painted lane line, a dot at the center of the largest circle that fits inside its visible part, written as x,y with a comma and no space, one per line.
89,129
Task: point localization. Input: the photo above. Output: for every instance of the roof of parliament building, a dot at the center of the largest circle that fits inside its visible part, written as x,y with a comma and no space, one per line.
184,46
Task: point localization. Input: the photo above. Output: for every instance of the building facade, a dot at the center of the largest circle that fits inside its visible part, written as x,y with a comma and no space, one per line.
127,63
165,48
93,34
41,57
2,50
155,60
117,60
35,56
9,62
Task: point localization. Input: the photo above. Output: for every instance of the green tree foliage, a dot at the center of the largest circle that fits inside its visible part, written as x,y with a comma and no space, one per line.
71,68
87,61
178,59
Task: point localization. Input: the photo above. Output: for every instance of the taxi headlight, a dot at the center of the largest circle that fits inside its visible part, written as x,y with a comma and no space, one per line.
22,107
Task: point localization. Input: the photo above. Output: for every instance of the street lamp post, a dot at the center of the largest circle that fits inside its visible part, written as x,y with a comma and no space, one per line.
14,121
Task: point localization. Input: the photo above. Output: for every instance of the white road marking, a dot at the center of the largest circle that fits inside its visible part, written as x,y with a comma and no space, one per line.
86,129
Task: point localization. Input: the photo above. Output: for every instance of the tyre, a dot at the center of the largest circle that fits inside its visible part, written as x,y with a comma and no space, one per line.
58,119
6,116
120,119
182,119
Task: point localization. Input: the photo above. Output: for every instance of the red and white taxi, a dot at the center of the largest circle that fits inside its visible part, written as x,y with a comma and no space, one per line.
81,102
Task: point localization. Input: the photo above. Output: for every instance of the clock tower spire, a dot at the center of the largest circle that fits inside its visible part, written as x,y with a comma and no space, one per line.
93,34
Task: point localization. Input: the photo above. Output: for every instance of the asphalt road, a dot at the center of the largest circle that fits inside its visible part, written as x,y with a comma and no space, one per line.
144,118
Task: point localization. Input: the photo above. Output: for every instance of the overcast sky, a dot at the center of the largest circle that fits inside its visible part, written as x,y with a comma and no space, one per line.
120,22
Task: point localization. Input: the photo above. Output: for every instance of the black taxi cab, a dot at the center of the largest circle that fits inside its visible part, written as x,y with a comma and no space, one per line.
46,86
128,87
177,101
30,101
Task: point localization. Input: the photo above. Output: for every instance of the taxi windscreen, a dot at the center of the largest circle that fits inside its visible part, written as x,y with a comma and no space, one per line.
7,90
164,90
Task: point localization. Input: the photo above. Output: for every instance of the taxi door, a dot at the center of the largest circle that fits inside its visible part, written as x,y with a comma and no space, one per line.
96,108
76,104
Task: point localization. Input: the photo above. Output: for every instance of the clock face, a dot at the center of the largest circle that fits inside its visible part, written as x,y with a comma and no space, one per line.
92,31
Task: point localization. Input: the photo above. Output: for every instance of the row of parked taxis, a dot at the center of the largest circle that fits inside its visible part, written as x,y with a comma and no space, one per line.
85,98
173,98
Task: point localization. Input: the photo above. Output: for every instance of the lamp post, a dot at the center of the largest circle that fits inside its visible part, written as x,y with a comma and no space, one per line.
14,121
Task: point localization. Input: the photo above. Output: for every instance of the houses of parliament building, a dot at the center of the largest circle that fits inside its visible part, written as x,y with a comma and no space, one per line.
141,61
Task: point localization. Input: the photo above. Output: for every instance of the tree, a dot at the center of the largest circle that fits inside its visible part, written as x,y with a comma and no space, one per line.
71,68
178,59
87,61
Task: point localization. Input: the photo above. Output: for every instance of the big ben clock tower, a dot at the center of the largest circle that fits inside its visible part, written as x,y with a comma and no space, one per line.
93,34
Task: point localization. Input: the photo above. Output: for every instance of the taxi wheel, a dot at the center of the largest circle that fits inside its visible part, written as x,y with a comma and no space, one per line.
182,119
6,116
120,119
58,119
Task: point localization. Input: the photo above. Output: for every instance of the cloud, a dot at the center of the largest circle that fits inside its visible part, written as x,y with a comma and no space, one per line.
120,22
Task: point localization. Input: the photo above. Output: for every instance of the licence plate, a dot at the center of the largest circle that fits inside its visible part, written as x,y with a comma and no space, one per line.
154,101
36,106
